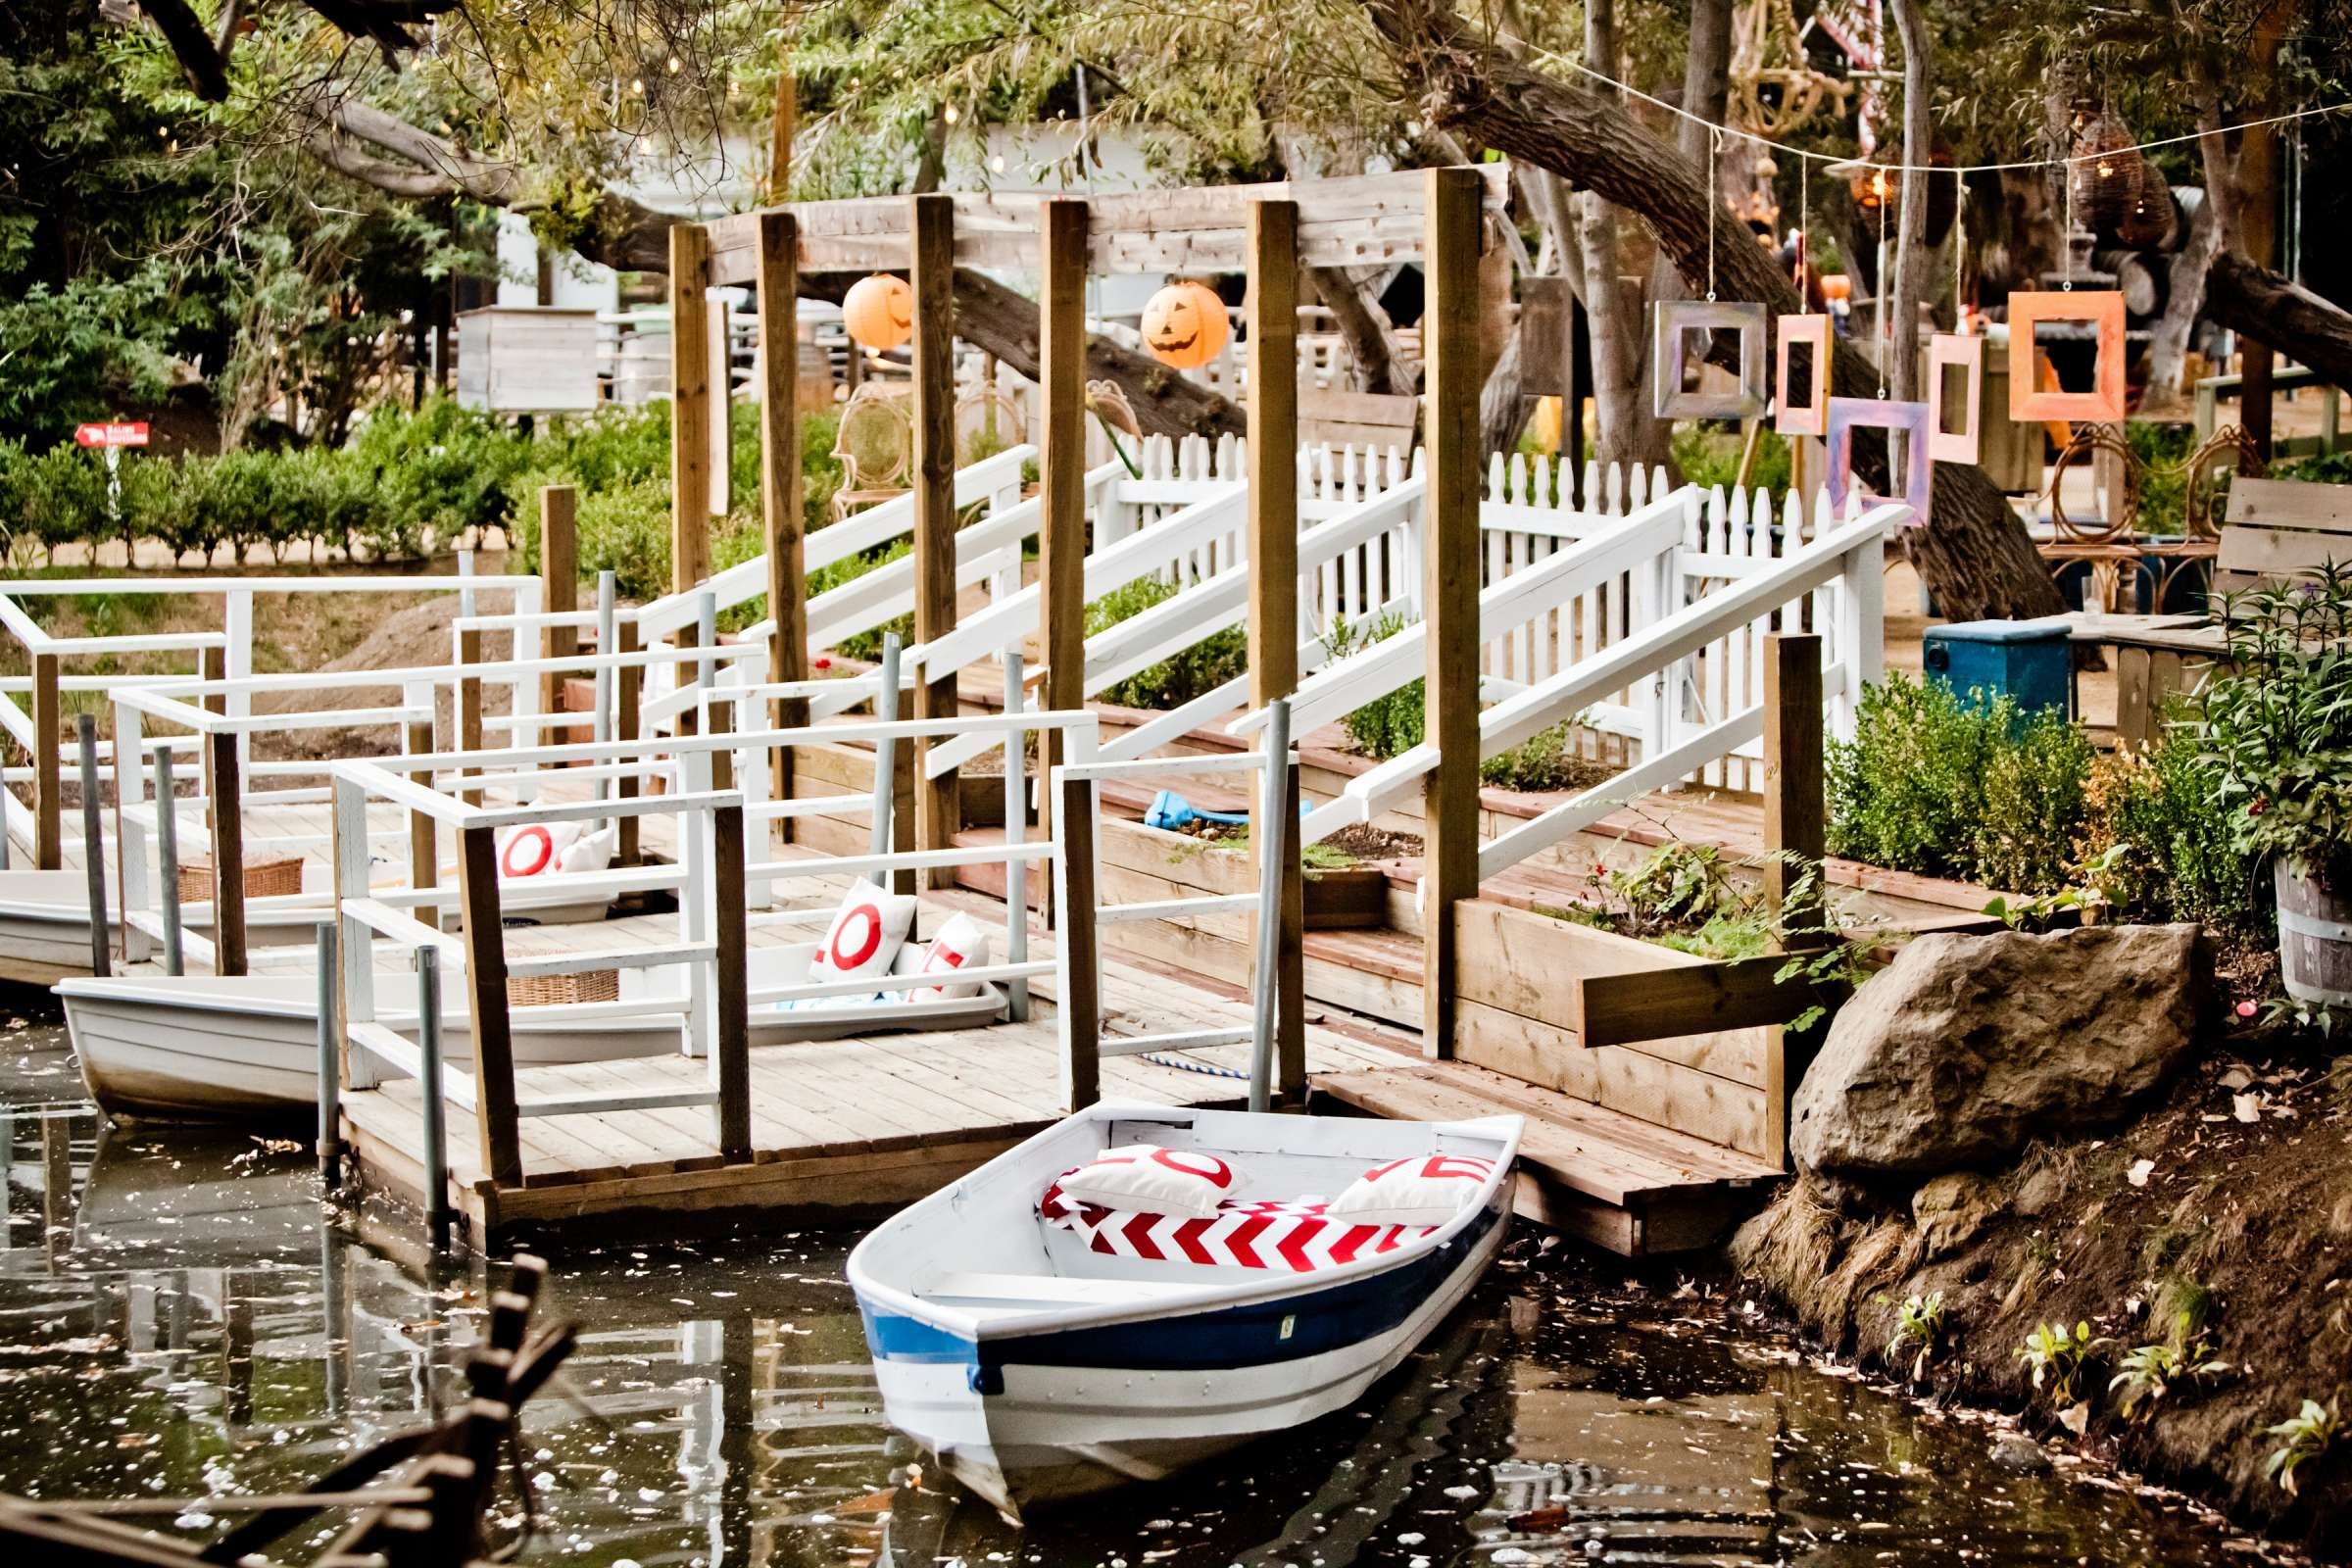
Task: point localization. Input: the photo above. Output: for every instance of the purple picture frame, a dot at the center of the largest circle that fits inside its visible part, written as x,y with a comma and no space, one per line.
1846,415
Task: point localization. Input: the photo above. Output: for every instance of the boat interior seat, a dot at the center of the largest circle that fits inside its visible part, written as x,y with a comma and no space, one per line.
1058,1289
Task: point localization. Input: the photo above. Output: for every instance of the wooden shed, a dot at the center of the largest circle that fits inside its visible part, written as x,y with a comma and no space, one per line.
528,359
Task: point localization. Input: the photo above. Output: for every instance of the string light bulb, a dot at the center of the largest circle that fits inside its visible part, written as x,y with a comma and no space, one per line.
949,113
677,65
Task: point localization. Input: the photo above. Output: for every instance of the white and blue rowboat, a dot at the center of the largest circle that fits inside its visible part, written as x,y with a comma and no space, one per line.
1038,1368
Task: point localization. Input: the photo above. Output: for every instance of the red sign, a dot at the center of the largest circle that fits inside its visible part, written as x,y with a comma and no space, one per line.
120,435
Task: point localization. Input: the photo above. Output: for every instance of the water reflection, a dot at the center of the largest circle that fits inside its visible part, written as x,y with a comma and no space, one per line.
176,1320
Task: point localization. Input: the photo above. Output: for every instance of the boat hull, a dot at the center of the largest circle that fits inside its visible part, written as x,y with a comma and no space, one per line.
1034,1421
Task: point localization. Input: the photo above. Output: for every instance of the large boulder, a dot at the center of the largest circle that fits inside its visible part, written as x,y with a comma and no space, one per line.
1966,1047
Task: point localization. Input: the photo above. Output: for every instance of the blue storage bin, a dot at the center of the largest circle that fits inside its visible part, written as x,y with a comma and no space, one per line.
2029,661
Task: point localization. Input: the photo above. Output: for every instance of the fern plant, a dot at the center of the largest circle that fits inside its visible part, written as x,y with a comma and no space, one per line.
2055,1356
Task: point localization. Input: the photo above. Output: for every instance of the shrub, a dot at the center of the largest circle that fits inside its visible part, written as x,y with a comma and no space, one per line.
1388,725
2277,729
49,499
1186,673
2175,860
441,469
2036,805
1908,790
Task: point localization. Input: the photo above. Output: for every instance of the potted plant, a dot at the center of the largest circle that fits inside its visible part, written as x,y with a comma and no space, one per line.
2277,727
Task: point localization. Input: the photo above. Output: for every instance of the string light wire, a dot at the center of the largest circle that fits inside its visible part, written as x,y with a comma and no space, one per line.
1549,57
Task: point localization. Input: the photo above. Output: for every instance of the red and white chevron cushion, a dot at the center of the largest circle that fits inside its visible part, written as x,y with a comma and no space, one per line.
1145,1178
1297,1236
1421,1189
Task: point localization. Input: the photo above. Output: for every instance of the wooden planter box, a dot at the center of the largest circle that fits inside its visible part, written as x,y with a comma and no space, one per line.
1338,898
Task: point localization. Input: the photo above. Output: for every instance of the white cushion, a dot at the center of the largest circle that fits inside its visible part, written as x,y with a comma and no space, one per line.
591,853
865,935
960,944
1423,1190
1142,1179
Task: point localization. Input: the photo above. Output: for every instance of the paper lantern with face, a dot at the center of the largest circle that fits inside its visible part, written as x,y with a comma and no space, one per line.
1185,325
879,311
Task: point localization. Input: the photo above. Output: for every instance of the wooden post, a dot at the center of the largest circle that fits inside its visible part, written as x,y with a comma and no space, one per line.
469,705
932,243
559,580
689,406
1079,1009
780,453
781,131
624,728
1450,585
1795,835
486,981
228,856
731,1051
1273,325
1061,466
48,723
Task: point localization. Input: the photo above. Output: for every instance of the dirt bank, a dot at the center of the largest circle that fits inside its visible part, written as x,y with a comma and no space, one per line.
2231,1202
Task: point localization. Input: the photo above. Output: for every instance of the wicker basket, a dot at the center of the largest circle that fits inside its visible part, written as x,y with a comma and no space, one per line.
2106,172
264,879
547,990
2151,221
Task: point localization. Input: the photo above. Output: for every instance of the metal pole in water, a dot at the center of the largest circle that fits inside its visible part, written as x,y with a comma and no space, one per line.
93,846
1271,855
330,1067
429,1072
1017,822
886,759
166,852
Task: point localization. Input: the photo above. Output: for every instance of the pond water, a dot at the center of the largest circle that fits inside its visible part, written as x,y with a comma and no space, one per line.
176,1321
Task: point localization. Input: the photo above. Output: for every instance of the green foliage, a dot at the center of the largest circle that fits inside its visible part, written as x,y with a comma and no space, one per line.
1908,790
1387,726
2055,1357
2163,451
48,499
2038,911
1185,675
1918,1325
2277,727
2167,851
2035,806
1708,456
2149,1372
2303,1437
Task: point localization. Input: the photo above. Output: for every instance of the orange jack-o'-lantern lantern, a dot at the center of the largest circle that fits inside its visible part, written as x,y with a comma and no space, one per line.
1185,324
879,310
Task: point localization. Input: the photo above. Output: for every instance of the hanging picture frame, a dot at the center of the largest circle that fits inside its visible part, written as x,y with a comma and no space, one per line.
1848,414
1810,331
2103,308
1674,320
1947,351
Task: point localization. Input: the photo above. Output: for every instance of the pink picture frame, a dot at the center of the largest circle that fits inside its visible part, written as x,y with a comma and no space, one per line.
1812,417
1945,351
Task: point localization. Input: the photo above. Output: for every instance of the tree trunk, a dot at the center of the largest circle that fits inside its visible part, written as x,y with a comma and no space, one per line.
1973,553
1900,336
1362,327
2281,313
1627,433
2185,283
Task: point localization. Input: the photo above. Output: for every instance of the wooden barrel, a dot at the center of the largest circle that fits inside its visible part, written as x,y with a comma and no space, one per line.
2315,935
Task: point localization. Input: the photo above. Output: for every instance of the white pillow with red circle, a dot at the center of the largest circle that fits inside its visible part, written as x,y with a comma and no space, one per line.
1144,1179
961,943
1422,1190
865,935
544,848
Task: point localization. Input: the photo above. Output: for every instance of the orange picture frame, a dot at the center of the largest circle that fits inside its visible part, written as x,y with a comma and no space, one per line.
1812,417
2104,308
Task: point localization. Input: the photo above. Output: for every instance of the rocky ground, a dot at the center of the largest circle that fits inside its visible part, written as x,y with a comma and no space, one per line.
2022,1131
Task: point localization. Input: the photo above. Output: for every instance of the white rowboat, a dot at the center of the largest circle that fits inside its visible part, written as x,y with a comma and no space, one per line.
1038,1368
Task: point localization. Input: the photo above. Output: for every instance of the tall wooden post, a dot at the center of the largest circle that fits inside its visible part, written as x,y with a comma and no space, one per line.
1450,585
486,981
1272,320
228,856
1062,463
780,456
1796,837
781,129
932,233
559,584
731,1051
689,406
48,735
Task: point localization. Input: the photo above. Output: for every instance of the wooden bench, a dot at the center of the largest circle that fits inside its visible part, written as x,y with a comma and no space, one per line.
2274,529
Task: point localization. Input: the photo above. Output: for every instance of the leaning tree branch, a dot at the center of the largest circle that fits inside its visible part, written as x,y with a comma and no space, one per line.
1973,553
183,32
2275,310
